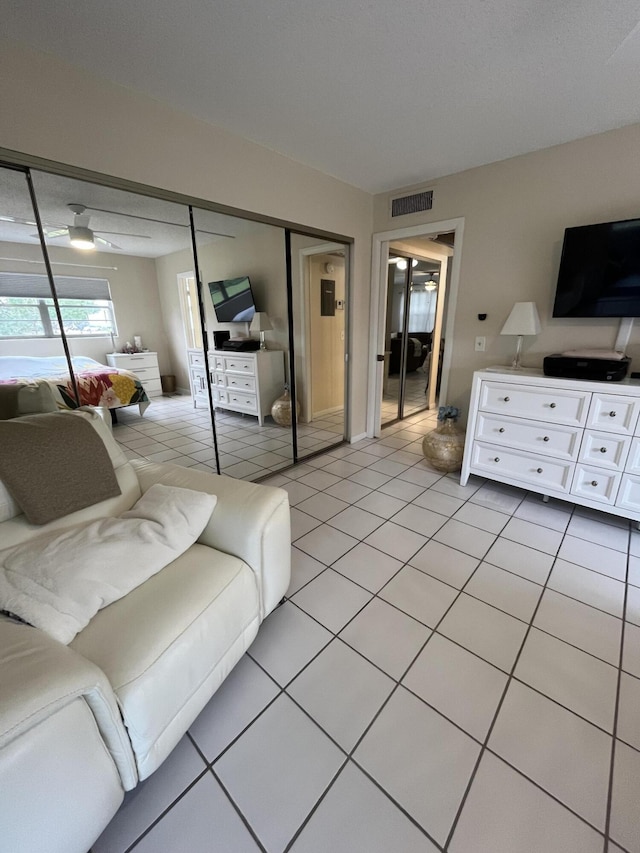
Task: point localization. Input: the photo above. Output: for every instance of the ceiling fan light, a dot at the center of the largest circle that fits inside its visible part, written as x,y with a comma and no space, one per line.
81,237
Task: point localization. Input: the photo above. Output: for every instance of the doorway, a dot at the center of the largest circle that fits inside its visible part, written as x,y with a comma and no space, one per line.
439,242
412,300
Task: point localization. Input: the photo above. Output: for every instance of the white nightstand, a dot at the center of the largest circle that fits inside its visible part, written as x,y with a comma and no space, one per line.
143,364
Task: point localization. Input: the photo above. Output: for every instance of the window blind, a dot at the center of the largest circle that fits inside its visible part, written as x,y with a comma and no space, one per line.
36,286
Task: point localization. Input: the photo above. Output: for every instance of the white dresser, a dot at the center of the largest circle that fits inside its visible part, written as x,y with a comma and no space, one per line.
247,382
198,378
567,438
143,364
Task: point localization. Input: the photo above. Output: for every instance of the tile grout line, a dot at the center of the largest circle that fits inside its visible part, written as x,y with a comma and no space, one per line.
617,704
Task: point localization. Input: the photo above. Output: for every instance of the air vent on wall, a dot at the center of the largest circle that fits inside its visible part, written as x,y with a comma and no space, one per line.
412,203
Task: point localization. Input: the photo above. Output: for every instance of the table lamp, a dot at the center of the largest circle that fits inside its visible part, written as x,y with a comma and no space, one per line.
261,323
523,320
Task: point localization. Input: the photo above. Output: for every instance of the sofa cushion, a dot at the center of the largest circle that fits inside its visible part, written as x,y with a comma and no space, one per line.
54,464
168,645
58,581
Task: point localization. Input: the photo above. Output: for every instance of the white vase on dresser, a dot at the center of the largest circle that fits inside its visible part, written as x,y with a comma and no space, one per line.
571,439
143,364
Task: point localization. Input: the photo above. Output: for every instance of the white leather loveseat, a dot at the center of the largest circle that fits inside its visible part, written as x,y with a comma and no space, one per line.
82,723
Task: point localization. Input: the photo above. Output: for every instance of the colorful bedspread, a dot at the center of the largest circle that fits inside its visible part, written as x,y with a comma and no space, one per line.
98,385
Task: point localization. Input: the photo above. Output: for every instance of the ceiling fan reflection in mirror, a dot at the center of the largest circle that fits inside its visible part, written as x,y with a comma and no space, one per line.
83,237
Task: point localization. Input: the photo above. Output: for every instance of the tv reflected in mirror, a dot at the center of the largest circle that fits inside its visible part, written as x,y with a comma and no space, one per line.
233,300
599,273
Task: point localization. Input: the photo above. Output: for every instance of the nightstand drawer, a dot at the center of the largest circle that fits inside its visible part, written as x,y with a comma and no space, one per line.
134,361
605,450
551,406
528,469
559,441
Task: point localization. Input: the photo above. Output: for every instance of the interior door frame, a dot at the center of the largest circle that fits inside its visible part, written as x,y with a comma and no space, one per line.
377,315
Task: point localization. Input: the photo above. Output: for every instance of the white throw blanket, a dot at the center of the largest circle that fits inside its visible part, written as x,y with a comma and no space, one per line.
58,581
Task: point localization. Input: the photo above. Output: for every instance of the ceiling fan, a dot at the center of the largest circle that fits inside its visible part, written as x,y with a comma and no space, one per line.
83,237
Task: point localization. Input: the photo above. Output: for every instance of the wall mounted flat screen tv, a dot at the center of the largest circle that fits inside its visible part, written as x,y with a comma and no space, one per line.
599,272
233,300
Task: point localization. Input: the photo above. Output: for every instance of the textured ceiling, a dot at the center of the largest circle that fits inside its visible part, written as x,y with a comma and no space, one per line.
379,93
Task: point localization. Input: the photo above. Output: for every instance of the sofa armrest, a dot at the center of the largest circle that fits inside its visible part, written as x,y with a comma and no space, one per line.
250,521
40,676
64,754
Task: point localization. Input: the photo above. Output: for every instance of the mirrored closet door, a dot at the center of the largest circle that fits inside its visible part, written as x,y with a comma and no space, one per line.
213,341
34,366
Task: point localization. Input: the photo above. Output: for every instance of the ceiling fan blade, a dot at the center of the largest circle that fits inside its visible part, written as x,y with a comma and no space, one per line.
105,242
60,232
123,234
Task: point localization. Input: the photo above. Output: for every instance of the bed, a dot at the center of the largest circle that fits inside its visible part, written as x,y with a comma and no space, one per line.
98,385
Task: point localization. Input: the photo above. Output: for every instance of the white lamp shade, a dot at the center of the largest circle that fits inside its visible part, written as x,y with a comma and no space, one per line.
523,320
261,322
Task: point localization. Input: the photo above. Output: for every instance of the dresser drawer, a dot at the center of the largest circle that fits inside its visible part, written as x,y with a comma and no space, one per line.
606,450
629,493
245,402
633,459
595,484
529,469
196,358
234,364
613,414
559,441
219,379
553,406
240,383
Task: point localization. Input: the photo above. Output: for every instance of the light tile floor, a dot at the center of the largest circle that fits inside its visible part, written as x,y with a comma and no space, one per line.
454,669
171,430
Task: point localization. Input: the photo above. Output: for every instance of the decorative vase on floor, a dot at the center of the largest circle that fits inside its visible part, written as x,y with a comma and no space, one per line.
443,447
281,409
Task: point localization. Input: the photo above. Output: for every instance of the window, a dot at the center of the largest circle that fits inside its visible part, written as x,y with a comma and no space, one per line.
188,291
27,309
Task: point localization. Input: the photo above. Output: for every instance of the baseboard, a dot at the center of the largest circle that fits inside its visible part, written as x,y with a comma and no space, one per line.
360,437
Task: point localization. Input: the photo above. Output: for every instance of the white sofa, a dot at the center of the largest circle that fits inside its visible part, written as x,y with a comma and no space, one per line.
81,724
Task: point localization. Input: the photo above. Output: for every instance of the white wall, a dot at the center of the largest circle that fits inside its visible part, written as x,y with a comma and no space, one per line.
134,291
51,110
515,214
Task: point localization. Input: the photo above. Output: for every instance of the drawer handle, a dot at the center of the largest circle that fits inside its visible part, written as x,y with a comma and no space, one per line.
539,470
506,399
546,438
496,459
501,429
603,450
552,406
612,414
594,482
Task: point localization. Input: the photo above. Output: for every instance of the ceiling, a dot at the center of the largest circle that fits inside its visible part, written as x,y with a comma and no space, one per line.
134,224
379,93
